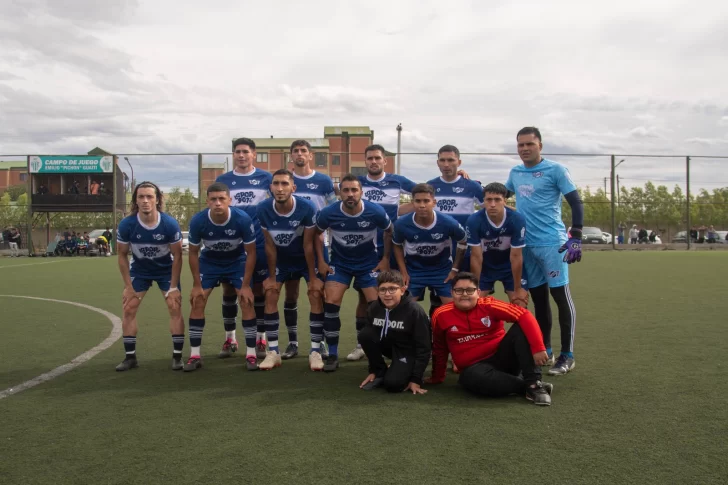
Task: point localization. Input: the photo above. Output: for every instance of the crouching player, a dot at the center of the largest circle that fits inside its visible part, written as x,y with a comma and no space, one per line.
489,358
399,329
220,236
155,241
287,224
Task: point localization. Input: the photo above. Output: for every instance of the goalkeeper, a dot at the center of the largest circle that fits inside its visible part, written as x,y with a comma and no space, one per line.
538,184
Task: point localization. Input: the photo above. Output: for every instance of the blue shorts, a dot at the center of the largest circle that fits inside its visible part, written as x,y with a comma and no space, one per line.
293,274
544,264
392,260
417,287
362,279
261,268
213,280
143,283
487,282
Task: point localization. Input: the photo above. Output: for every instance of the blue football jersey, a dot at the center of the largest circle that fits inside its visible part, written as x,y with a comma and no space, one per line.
317,187
223,245
497,241
149,246
287,230
247,191
538,197
428,250
353,238
385,192
457,198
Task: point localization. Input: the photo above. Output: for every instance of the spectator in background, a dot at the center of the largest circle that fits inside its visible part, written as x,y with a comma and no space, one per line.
633,234
66,233
102,189
653,236
694,234
42,189
14,242
620,237
711,235
71,246
95,187
642,236
107,235
74,189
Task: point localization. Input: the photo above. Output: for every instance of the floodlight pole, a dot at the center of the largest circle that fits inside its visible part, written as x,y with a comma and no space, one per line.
687,200
199,181
29,207
611,202
399,148
131,183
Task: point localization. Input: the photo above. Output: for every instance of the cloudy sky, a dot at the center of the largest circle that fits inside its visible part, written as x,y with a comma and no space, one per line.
143,76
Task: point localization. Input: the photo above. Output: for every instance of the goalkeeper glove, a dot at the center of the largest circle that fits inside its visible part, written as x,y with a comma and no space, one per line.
572,247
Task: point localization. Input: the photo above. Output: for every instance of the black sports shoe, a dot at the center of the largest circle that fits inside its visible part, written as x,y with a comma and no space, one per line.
540,393
127,364
291,352
193,364
177,363
331,364
377,382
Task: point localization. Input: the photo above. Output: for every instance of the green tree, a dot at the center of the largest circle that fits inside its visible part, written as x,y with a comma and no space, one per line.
16,191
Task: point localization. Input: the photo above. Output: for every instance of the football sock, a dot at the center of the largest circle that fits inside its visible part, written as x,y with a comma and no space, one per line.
290,313
197,325
229,315
542,308
259,305
272,322
332,326
249,329
130,345
317,330
178,342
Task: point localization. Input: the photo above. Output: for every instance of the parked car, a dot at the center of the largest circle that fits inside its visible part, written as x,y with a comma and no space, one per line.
721,237
593,235
185,241
93,248
608,236
680,237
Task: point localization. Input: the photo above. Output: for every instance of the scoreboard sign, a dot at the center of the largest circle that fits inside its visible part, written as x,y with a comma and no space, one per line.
63,164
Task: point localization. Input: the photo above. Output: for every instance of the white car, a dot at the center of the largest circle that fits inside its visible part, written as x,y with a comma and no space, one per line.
185,241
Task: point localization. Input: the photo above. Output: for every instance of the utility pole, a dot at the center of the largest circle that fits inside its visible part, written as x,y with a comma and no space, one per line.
399,148
605,186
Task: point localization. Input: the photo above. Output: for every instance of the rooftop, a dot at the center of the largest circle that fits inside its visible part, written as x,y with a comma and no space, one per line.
13,164
286,142
352,130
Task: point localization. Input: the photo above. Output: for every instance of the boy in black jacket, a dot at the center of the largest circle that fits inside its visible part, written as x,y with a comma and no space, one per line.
397,328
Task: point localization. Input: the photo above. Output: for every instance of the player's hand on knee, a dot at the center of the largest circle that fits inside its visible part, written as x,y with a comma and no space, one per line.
270,284
540,358
245,295
129,298
415,388
197,296
519,297
315,286
173,298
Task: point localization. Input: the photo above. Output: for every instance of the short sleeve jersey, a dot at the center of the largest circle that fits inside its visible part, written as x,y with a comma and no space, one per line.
427,250
286,230
247,191
457,198
223,245
149,245
385,192
538,192
317,188
497,241
353,237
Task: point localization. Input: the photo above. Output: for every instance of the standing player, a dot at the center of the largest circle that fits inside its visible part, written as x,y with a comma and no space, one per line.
496,236
220,236
538,185
423,242
248,188
385,190
287,223
155,242
320,191
353,226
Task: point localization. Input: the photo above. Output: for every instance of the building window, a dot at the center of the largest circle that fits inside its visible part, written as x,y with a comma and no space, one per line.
335,159
262,157
336,180
358,171
321,159
23,177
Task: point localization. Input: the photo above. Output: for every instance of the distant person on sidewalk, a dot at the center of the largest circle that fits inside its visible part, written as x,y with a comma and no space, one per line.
633,234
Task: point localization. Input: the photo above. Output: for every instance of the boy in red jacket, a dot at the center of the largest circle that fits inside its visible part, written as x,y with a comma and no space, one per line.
490,359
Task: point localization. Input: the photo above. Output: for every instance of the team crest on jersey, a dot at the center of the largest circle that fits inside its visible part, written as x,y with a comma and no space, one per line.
526,190
437,236
416,237
364,223
234,182
294,223
158,237
254,182
342,224
376,195
458,190
383,183
230,232
312,186
485,321
374,274
537,175
139,236
209,234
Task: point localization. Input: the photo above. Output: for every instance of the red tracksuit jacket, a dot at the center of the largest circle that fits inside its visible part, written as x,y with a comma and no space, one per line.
475,335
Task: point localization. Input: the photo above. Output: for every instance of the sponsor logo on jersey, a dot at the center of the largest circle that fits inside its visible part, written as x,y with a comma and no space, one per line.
537,175
294,223
230,232
222,246
254,182
437,236
283,239
353,239
426,250
446,205
526,190
312,186
403,360
375,195
523,232
244,197
485,321
468,338
453,328
458,190
149,251
364,223
492,244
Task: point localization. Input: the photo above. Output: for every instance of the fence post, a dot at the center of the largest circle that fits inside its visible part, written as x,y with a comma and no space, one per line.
199,182
687,200
114,204
29,209
611,202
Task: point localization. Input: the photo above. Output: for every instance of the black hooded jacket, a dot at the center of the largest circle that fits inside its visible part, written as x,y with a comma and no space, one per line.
406,327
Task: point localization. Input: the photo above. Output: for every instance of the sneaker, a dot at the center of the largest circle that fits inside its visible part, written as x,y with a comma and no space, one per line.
177,363
540,393
315,362
251,363
356,354
271,361
127,364
551,361
324,351
332,363
291,352
228,349
563,366
377,382
194,363
260,349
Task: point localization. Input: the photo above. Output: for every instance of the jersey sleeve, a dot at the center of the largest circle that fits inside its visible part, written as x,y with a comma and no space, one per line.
123,233
330,194
196,227
439,347
262,214
563,180
307,219
509,183
518,237
406,185
471,230
321,220
478,193
458,231
381,219
174,233
398,235
247,228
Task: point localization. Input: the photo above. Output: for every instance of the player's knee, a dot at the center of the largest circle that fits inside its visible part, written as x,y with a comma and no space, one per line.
314,296
394,383
368,334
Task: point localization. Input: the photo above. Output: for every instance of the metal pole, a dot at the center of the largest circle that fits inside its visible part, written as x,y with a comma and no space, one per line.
199,182
399,148
114,223
131,184
29,208
605,187
611,203
687,199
